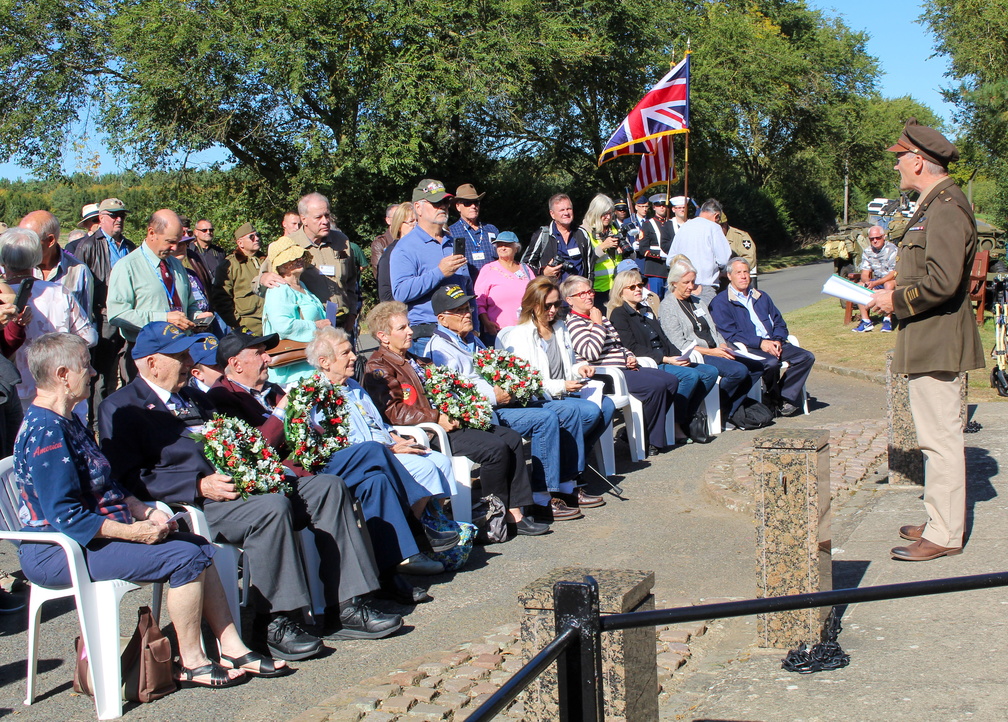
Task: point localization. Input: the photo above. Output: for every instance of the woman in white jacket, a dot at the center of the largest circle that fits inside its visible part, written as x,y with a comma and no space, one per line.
544,342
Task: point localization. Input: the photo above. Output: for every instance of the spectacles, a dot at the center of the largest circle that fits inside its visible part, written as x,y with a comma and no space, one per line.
555,304
634,286
204,230
443,203
116,214
468,203
876,238
585,294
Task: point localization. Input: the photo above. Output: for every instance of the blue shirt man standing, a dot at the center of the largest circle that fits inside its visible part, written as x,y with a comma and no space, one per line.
479,237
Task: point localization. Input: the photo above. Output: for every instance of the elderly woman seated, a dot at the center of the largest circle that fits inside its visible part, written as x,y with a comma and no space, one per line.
597,342
395,381
641,333
686,320
332,353
66,485
543,340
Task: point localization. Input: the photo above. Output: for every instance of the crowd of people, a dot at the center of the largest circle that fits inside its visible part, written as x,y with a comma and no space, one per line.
175,329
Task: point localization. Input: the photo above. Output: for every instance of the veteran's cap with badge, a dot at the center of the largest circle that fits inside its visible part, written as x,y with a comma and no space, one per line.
449,297
112,205
161,337
204,351
926,142
430,190
243,230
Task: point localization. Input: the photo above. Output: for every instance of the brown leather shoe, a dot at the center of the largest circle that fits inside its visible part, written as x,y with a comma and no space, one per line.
922,551
588,501
911,532
561,512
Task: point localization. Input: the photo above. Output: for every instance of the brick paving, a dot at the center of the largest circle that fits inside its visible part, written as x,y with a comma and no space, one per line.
857,449
448,685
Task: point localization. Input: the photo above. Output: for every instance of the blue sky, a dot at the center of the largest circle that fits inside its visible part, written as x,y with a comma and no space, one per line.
902,45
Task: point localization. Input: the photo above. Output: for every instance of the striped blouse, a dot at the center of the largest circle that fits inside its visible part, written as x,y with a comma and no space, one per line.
596,343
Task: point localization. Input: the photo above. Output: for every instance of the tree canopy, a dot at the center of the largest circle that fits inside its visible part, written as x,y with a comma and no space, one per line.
361,98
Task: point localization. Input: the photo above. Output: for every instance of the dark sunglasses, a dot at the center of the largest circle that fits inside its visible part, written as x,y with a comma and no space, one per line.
634,286
876,238
467,203
205,230
555,304
443,203
117,214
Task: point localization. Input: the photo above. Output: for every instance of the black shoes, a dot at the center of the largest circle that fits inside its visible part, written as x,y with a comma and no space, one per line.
357,619
396,588
441,541
287,640
530,527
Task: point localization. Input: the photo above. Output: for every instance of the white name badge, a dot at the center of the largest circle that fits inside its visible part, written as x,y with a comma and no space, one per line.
479,256
327,270
574,252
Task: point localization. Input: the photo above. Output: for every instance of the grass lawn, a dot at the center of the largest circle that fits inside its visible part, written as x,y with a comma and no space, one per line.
819,329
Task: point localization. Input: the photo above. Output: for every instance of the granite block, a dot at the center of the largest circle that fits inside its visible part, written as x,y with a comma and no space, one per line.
629,669
793,538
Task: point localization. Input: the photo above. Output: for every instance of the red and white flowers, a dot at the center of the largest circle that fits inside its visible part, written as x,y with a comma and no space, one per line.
312,444
513,374
242,452
456,398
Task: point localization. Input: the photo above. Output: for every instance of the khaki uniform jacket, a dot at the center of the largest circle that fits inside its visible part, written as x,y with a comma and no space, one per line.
233,296
937,328
743,246
332,275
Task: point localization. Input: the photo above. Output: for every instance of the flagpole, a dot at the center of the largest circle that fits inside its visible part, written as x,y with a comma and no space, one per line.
686,155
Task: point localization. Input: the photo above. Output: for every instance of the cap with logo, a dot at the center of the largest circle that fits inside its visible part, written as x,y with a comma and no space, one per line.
925,142
430,190
449,297
236,342
204,351
161,337
112,205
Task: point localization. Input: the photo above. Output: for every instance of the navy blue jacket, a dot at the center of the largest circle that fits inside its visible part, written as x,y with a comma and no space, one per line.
733,321
149,448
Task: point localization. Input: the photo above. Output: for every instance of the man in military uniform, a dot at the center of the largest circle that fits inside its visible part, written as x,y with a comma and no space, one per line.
742,246
937,337
233,294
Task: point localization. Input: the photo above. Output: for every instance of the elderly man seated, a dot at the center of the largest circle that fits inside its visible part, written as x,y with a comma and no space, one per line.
146,434
743,314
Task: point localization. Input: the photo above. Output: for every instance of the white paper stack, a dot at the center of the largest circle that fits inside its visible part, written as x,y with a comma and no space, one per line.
845,290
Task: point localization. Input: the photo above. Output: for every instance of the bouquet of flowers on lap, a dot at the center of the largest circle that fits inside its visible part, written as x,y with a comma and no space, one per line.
513,374
456,398
312,444
242,452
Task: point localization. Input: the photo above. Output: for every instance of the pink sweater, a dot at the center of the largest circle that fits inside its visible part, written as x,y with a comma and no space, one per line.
499,292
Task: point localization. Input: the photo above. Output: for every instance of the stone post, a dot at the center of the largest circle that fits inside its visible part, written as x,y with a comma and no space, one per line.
629,657
793,540
906,461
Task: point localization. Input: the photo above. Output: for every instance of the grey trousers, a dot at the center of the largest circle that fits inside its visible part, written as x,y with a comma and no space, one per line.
266,527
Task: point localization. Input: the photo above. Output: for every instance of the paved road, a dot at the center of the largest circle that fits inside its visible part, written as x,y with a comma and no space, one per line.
794,288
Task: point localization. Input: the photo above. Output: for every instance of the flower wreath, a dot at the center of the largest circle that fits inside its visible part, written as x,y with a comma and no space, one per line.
456,398
513,374
311,444
241,451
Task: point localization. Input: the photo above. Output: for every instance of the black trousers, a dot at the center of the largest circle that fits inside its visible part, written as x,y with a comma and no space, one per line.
503,468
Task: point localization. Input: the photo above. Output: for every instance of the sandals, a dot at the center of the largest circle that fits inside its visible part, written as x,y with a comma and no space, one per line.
219,676
267,667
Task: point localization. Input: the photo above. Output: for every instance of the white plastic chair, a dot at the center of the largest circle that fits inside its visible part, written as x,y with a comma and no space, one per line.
633,415
462,467
756,392
97,604
225,560
712,401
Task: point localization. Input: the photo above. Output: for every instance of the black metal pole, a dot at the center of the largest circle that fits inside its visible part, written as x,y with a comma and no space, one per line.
579,668
831,598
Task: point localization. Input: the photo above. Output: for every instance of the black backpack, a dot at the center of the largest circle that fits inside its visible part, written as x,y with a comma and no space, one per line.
752,415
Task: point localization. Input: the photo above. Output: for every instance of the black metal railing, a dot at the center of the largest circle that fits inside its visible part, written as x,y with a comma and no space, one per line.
577,648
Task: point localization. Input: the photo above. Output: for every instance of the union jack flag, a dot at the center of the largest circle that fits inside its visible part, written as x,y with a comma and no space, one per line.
657,167
663,110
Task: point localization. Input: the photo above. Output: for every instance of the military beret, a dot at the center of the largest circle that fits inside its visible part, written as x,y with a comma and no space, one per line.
925,142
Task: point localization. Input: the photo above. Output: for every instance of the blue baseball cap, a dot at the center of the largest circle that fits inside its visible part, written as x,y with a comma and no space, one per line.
204,351
161,337
627,264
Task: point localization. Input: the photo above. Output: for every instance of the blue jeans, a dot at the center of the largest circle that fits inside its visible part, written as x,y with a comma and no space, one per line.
695,382
542,426
578,418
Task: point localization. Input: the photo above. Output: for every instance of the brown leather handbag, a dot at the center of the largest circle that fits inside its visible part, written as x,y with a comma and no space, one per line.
147,672
287,352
